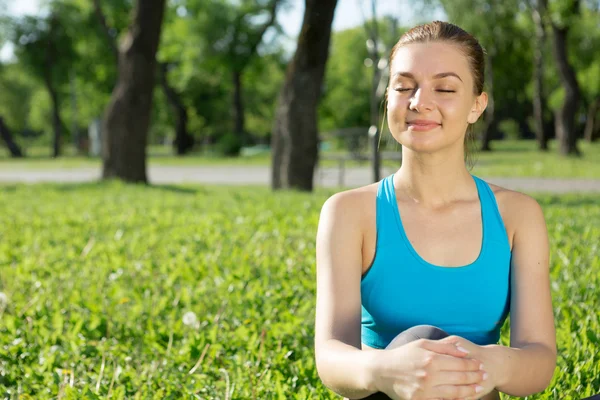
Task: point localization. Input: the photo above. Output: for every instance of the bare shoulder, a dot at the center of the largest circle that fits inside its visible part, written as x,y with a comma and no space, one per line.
517,209
514,201
355,204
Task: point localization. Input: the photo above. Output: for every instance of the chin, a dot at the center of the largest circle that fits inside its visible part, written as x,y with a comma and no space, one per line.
420,143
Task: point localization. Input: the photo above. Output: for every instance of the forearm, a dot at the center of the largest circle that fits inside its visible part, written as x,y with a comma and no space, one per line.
521,371
346,370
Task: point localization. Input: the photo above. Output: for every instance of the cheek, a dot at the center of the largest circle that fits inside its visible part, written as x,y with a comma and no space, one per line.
453,111
396,107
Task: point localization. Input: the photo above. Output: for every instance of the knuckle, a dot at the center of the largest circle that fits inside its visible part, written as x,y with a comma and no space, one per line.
429,360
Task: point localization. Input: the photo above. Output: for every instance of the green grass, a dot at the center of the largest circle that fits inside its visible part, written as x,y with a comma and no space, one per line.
185,292
509,159
522,159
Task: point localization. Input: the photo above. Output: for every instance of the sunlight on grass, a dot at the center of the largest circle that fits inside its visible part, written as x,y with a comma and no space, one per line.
160,289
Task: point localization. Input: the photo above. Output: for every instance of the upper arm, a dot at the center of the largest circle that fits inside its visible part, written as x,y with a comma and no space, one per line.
531,311
339,266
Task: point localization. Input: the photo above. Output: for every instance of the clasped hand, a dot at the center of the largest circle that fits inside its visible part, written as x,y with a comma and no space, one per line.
434,370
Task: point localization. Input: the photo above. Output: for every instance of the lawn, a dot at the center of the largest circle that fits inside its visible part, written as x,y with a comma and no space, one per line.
189,292
509,158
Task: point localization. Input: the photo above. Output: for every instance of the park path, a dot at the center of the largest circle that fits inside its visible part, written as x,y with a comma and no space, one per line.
260,175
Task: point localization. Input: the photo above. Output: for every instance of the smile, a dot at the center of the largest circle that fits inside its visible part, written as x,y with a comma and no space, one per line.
419,126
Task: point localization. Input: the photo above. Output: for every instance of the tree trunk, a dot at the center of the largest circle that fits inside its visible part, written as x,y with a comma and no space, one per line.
565,123
125,126
295,134
52,91
14,149
238,109
488,117
183,140
56,121
591,125
565,117
538,77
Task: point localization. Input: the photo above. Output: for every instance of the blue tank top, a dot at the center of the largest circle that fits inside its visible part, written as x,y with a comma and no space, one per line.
401,290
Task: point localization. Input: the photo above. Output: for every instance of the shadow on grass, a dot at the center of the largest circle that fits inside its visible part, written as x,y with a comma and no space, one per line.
99,185
180,189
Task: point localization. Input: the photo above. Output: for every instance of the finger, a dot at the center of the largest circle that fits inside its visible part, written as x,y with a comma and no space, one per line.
444,348
460,378
442,362
457,391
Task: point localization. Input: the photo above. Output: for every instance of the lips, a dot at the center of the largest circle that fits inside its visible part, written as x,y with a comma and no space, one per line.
422,122
422,125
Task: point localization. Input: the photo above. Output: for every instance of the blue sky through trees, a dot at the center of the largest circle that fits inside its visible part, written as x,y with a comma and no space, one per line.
348,14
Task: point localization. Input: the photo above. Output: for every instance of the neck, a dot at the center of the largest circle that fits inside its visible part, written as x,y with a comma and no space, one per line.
434,179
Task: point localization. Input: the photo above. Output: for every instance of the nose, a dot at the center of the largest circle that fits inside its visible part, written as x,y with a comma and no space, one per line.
420,101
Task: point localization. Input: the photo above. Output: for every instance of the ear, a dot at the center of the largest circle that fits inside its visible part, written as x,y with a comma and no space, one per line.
478,108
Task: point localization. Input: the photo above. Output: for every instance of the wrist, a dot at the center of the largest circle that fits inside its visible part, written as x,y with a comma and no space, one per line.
372,371
491,361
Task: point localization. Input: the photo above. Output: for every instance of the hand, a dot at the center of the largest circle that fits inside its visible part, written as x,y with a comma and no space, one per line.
479,353
429,369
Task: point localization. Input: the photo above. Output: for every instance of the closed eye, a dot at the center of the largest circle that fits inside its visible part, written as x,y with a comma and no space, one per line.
408,89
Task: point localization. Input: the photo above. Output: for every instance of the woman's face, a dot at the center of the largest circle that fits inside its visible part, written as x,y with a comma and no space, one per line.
431,98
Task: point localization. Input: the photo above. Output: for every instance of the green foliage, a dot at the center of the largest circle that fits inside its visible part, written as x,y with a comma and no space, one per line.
205,40
17,91
510,128
229,145
176,292
345,101
263,80
45,44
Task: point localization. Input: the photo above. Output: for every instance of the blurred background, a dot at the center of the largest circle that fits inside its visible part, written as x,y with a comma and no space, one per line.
147,247
212,93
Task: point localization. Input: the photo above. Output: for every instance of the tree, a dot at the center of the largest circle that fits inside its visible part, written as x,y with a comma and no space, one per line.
561,18
45,47
234,36
585,40
5,134
539,100
183,140
126,122
592,127
295,132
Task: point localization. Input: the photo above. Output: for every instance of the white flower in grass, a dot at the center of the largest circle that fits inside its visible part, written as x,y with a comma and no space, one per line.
190,319
3,300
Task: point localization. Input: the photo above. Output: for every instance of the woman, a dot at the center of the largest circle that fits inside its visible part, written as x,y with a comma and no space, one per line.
433,249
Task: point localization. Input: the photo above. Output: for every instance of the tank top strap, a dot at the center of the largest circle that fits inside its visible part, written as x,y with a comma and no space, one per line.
493,225
387,228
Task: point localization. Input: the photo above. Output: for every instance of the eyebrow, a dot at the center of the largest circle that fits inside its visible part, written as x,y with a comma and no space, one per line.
436,76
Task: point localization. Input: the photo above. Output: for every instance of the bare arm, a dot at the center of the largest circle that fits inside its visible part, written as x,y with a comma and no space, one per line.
341,364
527,366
